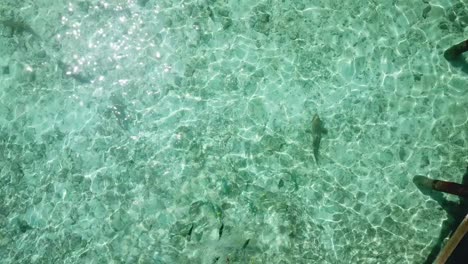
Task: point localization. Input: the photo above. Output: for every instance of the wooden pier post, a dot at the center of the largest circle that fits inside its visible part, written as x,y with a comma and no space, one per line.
446,252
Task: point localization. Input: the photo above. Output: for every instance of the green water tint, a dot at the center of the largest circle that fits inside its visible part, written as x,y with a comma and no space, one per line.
132,132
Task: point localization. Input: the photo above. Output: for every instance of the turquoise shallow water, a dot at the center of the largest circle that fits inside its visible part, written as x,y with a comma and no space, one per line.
125,126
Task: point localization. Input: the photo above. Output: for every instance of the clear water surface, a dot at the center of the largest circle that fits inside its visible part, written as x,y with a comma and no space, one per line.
131,131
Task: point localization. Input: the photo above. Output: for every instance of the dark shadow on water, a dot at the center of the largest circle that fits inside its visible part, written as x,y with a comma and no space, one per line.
460,63
455,213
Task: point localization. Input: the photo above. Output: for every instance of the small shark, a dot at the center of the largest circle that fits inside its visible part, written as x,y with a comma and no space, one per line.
19,27
317,131
220,231
189,234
